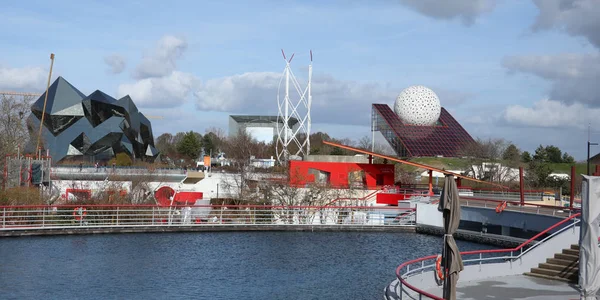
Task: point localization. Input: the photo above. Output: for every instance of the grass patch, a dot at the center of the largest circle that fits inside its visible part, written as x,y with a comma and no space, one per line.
580,168
448,163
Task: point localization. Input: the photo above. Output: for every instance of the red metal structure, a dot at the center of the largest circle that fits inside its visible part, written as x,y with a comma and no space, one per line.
414,164
341,174
163,197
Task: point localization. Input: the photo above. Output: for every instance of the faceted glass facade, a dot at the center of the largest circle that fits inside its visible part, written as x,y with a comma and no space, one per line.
446,138
94,127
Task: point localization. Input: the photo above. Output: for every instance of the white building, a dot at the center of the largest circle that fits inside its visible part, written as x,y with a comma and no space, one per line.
262,128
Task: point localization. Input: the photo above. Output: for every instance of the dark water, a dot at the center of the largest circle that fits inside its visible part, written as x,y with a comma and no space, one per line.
238,265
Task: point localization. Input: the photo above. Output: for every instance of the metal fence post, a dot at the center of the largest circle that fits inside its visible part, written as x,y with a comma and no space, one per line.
153,215
43,217
117,216
3,217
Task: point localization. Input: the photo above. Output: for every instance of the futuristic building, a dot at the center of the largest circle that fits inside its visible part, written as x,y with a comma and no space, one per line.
91,128
419,126
262,128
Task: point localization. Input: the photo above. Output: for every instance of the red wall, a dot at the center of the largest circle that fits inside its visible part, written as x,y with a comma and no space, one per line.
390,199
299,172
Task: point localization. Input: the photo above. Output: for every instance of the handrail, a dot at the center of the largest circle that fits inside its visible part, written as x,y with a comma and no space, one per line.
410,262
360,199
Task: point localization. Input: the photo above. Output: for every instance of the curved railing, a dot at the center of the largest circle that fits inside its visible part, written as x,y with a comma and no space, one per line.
403,276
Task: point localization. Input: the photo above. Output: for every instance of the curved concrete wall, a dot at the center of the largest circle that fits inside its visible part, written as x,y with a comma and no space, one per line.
427,214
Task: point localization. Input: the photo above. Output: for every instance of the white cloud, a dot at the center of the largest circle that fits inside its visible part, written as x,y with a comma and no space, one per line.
256,90
466,10
167,91
161,61
116,63
26,78
552,114
576,17
334,101
573,77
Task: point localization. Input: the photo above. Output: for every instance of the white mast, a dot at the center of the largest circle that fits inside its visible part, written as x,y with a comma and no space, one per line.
293,124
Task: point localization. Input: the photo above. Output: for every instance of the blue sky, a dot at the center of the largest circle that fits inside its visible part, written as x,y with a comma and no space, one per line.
526,71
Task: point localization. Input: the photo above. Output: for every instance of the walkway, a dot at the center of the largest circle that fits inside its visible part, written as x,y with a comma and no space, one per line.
514,287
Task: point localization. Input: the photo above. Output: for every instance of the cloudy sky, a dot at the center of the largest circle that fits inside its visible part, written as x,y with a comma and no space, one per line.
527,71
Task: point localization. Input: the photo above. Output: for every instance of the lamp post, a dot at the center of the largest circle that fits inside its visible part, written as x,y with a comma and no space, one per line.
588,156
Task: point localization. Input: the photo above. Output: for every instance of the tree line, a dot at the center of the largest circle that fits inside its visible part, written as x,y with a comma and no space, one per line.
191,145
501,154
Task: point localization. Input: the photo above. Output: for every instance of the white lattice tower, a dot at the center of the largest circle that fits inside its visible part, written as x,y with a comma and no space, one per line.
293,104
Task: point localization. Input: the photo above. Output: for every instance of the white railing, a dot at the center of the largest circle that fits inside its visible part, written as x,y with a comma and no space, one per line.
90,216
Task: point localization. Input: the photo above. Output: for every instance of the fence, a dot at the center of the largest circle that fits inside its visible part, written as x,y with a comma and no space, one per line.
90,216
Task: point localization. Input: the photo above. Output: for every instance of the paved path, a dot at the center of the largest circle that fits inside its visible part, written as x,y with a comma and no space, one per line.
514,287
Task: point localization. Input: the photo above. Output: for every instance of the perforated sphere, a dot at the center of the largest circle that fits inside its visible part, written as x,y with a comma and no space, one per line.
418,105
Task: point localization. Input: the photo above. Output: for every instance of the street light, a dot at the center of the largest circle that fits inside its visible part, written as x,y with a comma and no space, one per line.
588,156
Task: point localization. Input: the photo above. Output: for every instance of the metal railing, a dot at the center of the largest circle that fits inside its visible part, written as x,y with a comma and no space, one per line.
491,256
91,216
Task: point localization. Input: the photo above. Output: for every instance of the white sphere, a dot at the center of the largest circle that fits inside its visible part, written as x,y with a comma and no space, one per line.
418,105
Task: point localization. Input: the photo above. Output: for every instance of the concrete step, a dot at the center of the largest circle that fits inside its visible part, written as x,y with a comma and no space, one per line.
550,277
575,247
568,257
572,267
571,252
562,262
569,274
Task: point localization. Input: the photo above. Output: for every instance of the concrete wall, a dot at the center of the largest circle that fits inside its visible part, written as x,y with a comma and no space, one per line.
427,214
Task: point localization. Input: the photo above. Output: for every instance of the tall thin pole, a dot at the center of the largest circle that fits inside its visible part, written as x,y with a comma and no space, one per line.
372,133
45,101
309,105
521,187
588,158
572,196
286,117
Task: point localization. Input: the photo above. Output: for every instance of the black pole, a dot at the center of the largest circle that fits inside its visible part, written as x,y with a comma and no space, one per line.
588,156
588,159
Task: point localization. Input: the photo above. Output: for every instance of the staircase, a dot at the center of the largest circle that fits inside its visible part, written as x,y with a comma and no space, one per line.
563,266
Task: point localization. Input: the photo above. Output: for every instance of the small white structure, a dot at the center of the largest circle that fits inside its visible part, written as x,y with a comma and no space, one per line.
262,162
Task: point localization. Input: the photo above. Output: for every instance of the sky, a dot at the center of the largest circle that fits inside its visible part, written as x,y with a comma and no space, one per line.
526,71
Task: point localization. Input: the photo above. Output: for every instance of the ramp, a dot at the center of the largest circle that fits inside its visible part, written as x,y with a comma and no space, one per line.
193,177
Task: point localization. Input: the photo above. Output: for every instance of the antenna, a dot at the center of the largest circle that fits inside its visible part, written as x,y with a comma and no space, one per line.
293,121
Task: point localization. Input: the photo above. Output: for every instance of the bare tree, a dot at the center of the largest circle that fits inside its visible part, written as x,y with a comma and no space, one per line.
239,149
219,132
13,130
484,159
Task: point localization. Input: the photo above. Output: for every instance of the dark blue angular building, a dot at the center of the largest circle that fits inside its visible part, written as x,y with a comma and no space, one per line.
90,128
